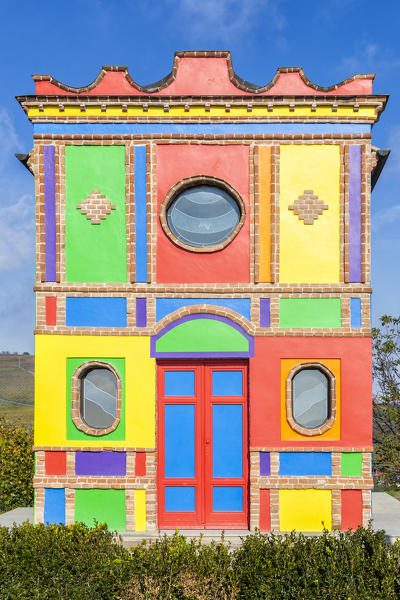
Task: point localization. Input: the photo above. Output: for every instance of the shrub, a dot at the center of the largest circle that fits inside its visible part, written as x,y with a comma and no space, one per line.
173,567
76,563
54,561
16,465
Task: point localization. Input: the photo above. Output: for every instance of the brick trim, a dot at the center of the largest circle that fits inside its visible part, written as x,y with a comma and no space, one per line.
191,182
332,399
204,309
76,398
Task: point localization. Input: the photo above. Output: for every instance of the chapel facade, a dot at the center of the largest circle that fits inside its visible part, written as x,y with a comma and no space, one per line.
203,342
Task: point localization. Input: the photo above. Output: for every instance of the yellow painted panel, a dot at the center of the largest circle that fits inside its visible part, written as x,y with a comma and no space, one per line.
264,186
52,352
200,111
305,510
287,433
310,253
140,510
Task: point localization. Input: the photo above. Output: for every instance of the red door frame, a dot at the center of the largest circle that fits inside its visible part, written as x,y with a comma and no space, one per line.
203,517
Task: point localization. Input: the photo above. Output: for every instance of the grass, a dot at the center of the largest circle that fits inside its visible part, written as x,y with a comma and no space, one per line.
17,387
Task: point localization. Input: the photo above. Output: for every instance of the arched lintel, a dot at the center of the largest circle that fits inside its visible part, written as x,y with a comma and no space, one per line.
195,315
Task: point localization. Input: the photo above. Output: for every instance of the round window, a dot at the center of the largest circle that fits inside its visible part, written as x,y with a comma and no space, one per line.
203,216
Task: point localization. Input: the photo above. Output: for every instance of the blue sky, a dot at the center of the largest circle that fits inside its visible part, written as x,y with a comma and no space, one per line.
331,40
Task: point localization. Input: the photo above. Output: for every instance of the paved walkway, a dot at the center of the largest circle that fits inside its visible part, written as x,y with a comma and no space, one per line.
385,512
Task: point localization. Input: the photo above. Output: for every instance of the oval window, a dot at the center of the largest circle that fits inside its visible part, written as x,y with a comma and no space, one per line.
310,397
203,216
99,391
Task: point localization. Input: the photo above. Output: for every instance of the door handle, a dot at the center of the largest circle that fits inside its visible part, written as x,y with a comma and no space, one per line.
207,442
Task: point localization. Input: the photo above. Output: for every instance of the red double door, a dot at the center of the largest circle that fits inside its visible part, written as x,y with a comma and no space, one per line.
202,444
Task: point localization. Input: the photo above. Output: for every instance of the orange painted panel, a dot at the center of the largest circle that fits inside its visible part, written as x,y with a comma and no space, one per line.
264,215
230,163
287,365
355,355
351,509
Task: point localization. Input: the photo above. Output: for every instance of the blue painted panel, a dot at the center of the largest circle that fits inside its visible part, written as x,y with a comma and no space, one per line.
179,440
227,499
305,463
180,499
140,214
227,440
355,312
95,312
165,306
179,383
54,505
227,383
199,128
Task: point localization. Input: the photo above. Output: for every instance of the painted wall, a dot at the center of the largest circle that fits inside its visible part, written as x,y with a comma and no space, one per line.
95,253
310,253
230,163
355,394
52,352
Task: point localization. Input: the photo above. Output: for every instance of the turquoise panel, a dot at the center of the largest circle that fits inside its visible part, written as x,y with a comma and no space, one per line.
165,306
305,463
227,440
227,499
181,499
355,312
54,505
227,383
179,440
179,383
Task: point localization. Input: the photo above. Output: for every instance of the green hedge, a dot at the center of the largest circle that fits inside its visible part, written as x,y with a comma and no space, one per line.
16,466
77,563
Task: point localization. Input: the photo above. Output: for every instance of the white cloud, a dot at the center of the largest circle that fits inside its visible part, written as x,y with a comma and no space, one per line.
9,139
369,57
17,231
225,19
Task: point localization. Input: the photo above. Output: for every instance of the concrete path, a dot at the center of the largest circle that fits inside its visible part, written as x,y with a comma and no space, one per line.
18,516
385,512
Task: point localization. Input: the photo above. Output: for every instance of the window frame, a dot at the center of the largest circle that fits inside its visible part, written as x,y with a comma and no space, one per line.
76,394
196,181
328,423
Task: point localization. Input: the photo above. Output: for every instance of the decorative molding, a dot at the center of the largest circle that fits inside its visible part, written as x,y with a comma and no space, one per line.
76,398
308,207
96,207
332,399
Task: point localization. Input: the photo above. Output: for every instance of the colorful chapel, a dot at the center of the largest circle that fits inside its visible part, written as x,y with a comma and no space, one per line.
203,344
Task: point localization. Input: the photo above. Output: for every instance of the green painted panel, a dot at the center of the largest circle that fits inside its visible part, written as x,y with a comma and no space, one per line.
203,335
310,312
72,432
95,253
104,506
351,464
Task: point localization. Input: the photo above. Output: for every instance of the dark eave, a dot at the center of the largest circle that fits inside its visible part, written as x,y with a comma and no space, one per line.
382,156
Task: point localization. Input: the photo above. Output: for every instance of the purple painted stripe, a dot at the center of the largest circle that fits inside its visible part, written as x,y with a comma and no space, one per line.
141,312
100,463
154,338
354,214
265,463
50,212
264,313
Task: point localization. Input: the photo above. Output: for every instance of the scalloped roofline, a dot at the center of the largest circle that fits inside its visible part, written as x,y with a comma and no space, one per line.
116,80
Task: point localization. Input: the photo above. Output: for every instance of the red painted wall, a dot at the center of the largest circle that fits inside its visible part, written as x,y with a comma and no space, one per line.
356,387
230,163
351,509
265,513
55,463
